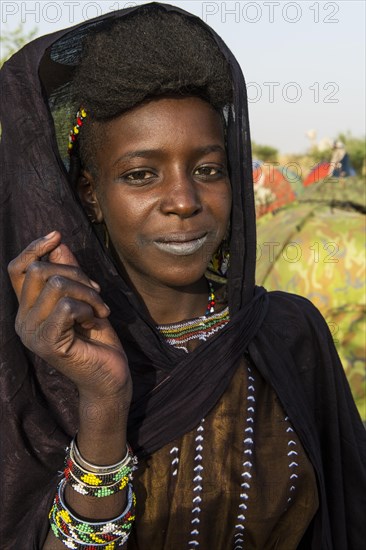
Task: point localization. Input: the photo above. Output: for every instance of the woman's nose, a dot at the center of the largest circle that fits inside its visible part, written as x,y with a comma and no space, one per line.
181,196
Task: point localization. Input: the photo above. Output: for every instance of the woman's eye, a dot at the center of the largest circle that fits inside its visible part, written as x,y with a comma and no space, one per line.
208,171
138,175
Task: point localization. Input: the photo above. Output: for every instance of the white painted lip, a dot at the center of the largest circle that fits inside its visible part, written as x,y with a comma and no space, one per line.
184,248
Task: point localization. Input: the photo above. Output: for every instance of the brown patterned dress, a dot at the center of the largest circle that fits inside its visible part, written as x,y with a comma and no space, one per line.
239,481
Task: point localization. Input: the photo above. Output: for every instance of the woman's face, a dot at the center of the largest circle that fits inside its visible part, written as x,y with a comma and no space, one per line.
163,189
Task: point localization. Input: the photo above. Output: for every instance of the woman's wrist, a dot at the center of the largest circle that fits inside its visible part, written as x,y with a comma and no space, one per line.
102,429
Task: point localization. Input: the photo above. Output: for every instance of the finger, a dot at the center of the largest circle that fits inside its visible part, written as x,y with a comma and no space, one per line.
57,288
55,336
62,255
34,251
100,331
39,273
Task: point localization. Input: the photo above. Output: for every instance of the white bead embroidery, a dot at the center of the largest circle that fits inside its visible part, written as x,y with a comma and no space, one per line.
174,451
292,455
248,444
197,487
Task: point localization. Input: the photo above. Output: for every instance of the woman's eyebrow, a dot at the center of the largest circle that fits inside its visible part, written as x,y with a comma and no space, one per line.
146,153
211,149
143,153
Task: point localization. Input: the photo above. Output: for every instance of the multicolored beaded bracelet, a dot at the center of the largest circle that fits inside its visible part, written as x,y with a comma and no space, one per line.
99,492
80,534
104,480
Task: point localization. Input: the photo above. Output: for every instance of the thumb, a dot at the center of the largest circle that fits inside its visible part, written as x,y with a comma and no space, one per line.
63,255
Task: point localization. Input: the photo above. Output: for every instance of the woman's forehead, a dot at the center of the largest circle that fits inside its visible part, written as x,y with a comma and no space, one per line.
166,119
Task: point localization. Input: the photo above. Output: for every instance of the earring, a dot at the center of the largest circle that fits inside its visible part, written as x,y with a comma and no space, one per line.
91,218
219,263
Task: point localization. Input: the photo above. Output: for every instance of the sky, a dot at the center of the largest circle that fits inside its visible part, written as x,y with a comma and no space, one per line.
304,62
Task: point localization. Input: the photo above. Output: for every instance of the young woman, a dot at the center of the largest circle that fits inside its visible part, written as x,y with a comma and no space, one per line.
130,328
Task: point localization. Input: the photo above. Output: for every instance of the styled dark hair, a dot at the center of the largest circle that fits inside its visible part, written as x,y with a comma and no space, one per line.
148,54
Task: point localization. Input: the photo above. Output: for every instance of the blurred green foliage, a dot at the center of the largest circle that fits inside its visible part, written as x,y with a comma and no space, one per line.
317,156
356,148
264,152
12,41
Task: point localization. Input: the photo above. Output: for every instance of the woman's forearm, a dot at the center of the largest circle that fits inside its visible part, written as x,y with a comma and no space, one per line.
101,440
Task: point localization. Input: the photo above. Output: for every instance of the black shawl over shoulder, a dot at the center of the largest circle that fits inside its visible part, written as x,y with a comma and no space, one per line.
284,335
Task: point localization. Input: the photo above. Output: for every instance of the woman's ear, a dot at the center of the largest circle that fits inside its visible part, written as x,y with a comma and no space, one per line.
85,188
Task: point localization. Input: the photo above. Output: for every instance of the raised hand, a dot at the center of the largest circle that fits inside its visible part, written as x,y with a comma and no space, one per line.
63,319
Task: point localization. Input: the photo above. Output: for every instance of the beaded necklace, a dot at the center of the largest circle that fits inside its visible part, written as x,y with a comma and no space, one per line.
201,328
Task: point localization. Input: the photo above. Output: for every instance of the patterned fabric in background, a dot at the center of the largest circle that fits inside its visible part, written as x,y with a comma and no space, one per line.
316,248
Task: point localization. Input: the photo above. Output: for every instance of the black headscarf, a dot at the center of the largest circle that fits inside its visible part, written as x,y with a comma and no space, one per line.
283,336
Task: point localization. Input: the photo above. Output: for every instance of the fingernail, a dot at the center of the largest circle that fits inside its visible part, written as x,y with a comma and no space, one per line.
94,285
50,235
107,306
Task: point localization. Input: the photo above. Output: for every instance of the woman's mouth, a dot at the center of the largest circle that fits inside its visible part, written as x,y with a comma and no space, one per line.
180,246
